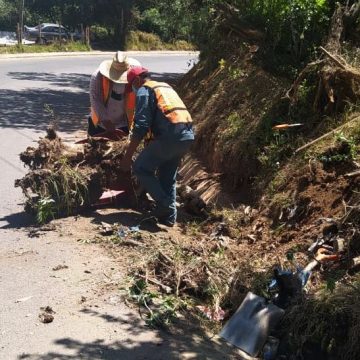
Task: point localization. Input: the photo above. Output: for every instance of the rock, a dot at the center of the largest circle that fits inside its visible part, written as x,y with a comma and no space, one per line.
60,267
46,316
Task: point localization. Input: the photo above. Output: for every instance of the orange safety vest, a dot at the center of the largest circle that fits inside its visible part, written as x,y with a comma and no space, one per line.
169,102
129,102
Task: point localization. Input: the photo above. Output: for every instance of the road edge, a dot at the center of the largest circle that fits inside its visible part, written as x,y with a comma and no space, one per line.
95,53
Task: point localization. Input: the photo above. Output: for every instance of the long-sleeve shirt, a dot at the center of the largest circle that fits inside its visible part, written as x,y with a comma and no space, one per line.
114,110
149,117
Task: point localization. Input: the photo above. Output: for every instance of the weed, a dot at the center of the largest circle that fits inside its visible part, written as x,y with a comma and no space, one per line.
281,200
69,186
278,183
45,210
234,128
161,310
222,64
345,149
192,228
235,73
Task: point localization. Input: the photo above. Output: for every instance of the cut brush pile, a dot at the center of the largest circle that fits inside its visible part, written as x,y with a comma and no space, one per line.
64,179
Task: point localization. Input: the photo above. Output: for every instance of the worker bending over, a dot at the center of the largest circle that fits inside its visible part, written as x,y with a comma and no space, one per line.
160,112
112,101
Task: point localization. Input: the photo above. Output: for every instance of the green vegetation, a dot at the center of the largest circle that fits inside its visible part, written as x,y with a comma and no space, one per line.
160,310
45,210
56,47
290,29
142,41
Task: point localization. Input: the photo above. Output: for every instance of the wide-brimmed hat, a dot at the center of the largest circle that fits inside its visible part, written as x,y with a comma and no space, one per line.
116,69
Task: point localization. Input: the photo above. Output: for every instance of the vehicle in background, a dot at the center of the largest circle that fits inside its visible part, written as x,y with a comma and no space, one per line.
46,32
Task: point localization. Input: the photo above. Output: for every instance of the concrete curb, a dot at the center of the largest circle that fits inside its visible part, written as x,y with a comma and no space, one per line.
96,53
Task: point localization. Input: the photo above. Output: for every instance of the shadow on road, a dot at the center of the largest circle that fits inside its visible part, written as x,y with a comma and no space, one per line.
35,108
17,221
68,105
74,80
182,342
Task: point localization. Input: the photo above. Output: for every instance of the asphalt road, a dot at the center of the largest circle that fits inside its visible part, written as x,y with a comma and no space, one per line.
90,321
35,91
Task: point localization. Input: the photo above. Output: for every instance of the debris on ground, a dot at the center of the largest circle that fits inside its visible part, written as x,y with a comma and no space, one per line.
46,316
193,203
107,229
65,178
250,326
23,299
213,314
60,267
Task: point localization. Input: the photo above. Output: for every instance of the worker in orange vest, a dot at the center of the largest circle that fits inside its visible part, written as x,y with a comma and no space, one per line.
112,101
160,111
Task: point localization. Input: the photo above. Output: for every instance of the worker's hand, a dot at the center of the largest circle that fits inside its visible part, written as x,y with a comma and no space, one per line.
108,125
125,164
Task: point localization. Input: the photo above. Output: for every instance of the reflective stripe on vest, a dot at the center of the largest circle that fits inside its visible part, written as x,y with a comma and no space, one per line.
129,102
169,102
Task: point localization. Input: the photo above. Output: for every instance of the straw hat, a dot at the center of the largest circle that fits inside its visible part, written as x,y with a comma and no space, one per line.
116,69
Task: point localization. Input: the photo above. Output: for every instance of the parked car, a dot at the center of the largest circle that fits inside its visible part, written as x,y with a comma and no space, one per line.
47,32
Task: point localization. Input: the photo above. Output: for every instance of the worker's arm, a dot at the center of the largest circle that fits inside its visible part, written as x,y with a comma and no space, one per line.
97,103
144,113
126,161
142,123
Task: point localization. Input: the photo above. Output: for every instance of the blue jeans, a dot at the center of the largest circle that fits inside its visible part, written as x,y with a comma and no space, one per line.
156,169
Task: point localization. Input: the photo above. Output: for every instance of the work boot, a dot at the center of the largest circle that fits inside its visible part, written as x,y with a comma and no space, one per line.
164,215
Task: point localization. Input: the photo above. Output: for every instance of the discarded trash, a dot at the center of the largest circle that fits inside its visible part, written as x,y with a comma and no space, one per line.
249,327
339,245
355,262
123,232
60,267
106,229
271,348
215,314
324,255
287,286
109,197
23,299
134,228
46,316
286,126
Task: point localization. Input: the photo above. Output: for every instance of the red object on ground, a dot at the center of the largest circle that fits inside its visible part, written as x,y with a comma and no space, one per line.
109,197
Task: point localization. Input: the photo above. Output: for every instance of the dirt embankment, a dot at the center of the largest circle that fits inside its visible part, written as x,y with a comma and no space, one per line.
295,198
275,204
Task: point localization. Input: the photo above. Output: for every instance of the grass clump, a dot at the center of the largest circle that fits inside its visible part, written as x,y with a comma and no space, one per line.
330,320
55,47
142,41
161,311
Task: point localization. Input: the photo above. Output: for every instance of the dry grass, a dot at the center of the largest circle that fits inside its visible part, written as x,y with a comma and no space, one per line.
331,320
142,41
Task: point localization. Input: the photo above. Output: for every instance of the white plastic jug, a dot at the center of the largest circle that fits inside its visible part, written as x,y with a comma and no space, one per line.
249,327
